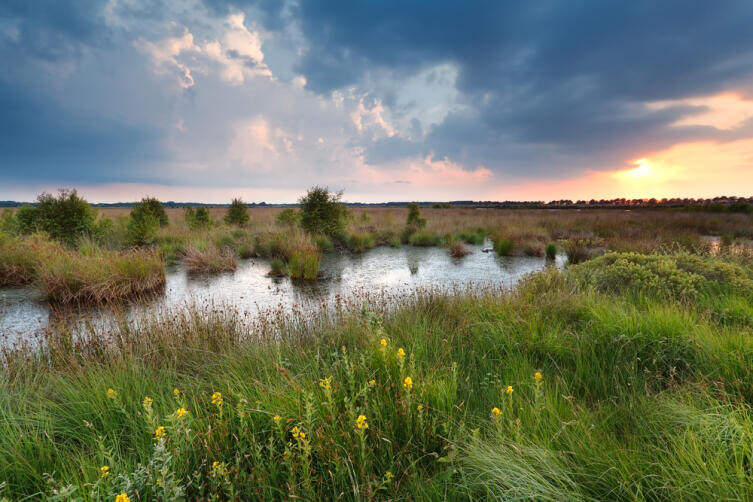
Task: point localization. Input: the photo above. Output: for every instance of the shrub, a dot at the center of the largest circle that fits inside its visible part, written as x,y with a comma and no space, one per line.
8,222
65,217
551,251
323,213
414,222
237,213
197,218
142,229
150,206
288,217
503,246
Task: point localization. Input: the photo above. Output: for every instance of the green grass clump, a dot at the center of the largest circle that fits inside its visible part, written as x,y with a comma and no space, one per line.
551,251
359,242
424,238
476,237
503,246
556,391
21,258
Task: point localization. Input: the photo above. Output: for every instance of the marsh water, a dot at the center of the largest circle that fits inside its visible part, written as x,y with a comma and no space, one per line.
393,273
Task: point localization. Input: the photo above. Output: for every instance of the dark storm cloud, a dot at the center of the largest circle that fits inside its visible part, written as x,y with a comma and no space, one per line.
564,74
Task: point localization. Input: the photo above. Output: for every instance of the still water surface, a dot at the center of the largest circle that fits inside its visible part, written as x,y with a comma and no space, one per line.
394,272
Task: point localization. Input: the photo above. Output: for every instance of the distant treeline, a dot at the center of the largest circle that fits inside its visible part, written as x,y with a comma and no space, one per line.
720,204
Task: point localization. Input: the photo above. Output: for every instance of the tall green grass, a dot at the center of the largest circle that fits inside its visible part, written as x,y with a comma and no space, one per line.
641,396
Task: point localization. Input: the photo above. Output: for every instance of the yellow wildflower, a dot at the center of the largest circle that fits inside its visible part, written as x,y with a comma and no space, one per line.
111,393
123,497
159,432
383,342
372,382
324,383
104,471
420,408
176,392
388,476
215,464
217,399
147,402
298,433
361,422
180,412
509,389
496,412
537,376
277,418
400,353
408,383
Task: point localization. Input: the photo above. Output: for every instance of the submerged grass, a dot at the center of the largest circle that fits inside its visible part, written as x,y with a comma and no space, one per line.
561,390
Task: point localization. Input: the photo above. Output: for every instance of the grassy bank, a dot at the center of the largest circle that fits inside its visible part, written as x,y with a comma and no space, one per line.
578,386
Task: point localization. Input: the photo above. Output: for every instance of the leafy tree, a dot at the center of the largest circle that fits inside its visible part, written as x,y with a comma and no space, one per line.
150,206
288,217
237,213
322,212
414,221
65,217
198,218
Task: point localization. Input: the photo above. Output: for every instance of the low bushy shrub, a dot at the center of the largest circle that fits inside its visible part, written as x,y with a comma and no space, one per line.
237,213
197,218
64,218
322,212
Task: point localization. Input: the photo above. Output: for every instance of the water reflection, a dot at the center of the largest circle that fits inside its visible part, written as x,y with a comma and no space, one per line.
394,272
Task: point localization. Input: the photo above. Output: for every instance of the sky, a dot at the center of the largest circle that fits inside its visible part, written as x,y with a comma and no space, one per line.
205,100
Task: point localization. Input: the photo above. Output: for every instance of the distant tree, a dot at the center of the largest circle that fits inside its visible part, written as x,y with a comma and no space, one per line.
322,212
150,205
237,213
198,218
145,219
414,220
288,217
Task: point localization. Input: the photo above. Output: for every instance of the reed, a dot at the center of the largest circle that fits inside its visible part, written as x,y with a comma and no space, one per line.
210,260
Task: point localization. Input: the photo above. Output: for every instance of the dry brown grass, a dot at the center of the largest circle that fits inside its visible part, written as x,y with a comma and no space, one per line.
209,261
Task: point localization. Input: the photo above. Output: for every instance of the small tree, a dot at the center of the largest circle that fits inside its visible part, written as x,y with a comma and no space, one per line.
152,206
237,213
322,212
414,221
288,217
198,218
65,217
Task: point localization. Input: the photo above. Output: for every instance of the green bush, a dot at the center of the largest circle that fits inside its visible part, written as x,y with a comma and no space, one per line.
323,213
145,219
64,218
197,218
150,206
414,221
288,217
237,213
551,251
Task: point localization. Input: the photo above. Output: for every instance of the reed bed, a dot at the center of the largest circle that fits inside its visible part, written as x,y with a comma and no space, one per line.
209,261
560,390
103,276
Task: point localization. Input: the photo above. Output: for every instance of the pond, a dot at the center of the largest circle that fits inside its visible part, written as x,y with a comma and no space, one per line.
394,272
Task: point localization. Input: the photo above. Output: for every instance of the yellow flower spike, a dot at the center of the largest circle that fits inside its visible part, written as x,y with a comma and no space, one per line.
372,382
400,353
215,464
217,399
383,342
123,497
408,383
111,393
420,408
388,476
302,435
104,471
159,432
298,433
361,422
180,412
509,390
176,392
147,402
496,412
277,418
324,383
537,376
